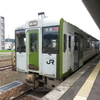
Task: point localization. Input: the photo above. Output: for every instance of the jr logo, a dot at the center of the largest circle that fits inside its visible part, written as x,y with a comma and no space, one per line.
50,61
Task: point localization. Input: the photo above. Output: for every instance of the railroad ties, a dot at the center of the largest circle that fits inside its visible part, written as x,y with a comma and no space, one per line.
5,61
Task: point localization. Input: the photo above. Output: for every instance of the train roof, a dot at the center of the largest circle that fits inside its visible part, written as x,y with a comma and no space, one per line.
48,22
41,22
81,30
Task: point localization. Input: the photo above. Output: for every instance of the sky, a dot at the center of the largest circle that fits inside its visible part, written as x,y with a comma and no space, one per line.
17,12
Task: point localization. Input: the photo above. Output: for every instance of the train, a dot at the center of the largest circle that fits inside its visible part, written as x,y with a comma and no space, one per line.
48,50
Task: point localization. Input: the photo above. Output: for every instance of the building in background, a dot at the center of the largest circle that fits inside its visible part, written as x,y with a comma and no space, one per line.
9,44
2,33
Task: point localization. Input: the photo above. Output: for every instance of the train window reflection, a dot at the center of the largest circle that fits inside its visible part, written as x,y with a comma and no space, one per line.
33,42
20,41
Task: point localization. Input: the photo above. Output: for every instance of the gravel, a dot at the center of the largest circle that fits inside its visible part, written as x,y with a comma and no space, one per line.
8,76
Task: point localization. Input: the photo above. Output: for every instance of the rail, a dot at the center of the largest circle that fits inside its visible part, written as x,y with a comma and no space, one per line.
18,97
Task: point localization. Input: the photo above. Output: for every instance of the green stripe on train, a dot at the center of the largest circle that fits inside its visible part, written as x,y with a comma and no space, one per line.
61,47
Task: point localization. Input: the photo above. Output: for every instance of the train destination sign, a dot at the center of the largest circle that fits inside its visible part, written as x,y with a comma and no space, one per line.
20,32
50,29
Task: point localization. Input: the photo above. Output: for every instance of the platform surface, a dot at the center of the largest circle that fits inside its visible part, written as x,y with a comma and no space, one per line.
82,85
87,86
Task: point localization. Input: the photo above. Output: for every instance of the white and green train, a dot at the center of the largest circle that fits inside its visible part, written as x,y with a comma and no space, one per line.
48,50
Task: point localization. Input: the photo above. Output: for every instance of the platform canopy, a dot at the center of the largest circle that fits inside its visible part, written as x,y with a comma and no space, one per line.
93,7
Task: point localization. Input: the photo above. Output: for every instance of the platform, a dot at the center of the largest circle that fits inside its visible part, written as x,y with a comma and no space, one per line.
82,85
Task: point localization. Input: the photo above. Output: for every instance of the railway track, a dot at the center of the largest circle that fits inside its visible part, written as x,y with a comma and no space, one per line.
5,67
31,94
26,95
21,95
17,90
5,64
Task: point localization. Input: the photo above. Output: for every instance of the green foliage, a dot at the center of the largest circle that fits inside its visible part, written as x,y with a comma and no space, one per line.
7,50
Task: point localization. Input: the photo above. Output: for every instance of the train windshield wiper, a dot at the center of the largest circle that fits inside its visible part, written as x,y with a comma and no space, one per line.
49,52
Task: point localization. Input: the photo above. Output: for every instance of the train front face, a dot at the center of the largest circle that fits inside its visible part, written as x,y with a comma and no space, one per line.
42,53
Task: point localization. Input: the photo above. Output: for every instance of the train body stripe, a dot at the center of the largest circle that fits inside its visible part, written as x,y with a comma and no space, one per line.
61,48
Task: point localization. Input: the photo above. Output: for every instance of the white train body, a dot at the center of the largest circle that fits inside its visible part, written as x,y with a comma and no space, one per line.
48,50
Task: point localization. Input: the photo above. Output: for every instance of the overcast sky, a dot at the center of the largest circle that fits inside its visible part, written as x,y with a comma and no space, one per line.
17,12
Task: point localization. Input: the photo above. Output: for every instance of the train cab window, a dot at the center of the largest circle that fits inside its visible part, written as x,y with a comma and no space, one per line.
33,42
20,41
50,40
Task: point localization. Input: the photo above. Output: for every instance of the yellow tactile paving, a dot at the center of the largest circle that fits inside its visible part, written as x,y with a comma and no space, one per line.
87,86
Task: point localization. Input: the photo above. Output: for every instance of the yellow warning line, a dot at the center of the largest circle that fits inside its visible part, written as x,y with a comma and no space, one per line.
87,86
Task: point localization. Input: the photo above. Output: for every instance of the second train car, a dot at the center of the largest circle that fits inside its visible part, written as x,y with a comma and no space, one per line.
47,50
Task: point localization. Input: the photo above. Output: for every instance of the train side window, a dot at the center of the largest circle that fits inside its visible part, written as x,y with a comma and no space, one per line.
65,42
88,43
33,42
84,44
81,44
76,43
69,42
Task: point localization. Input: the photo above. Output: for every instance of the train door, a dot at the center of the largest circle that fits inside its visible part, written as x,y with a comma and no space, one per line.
72,51
33,50
81,51
50,51
76,52
67,54
20,49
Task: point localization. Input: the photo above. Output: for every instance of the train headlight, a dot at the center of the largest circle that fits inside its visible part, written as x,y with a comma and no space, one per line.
33,23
